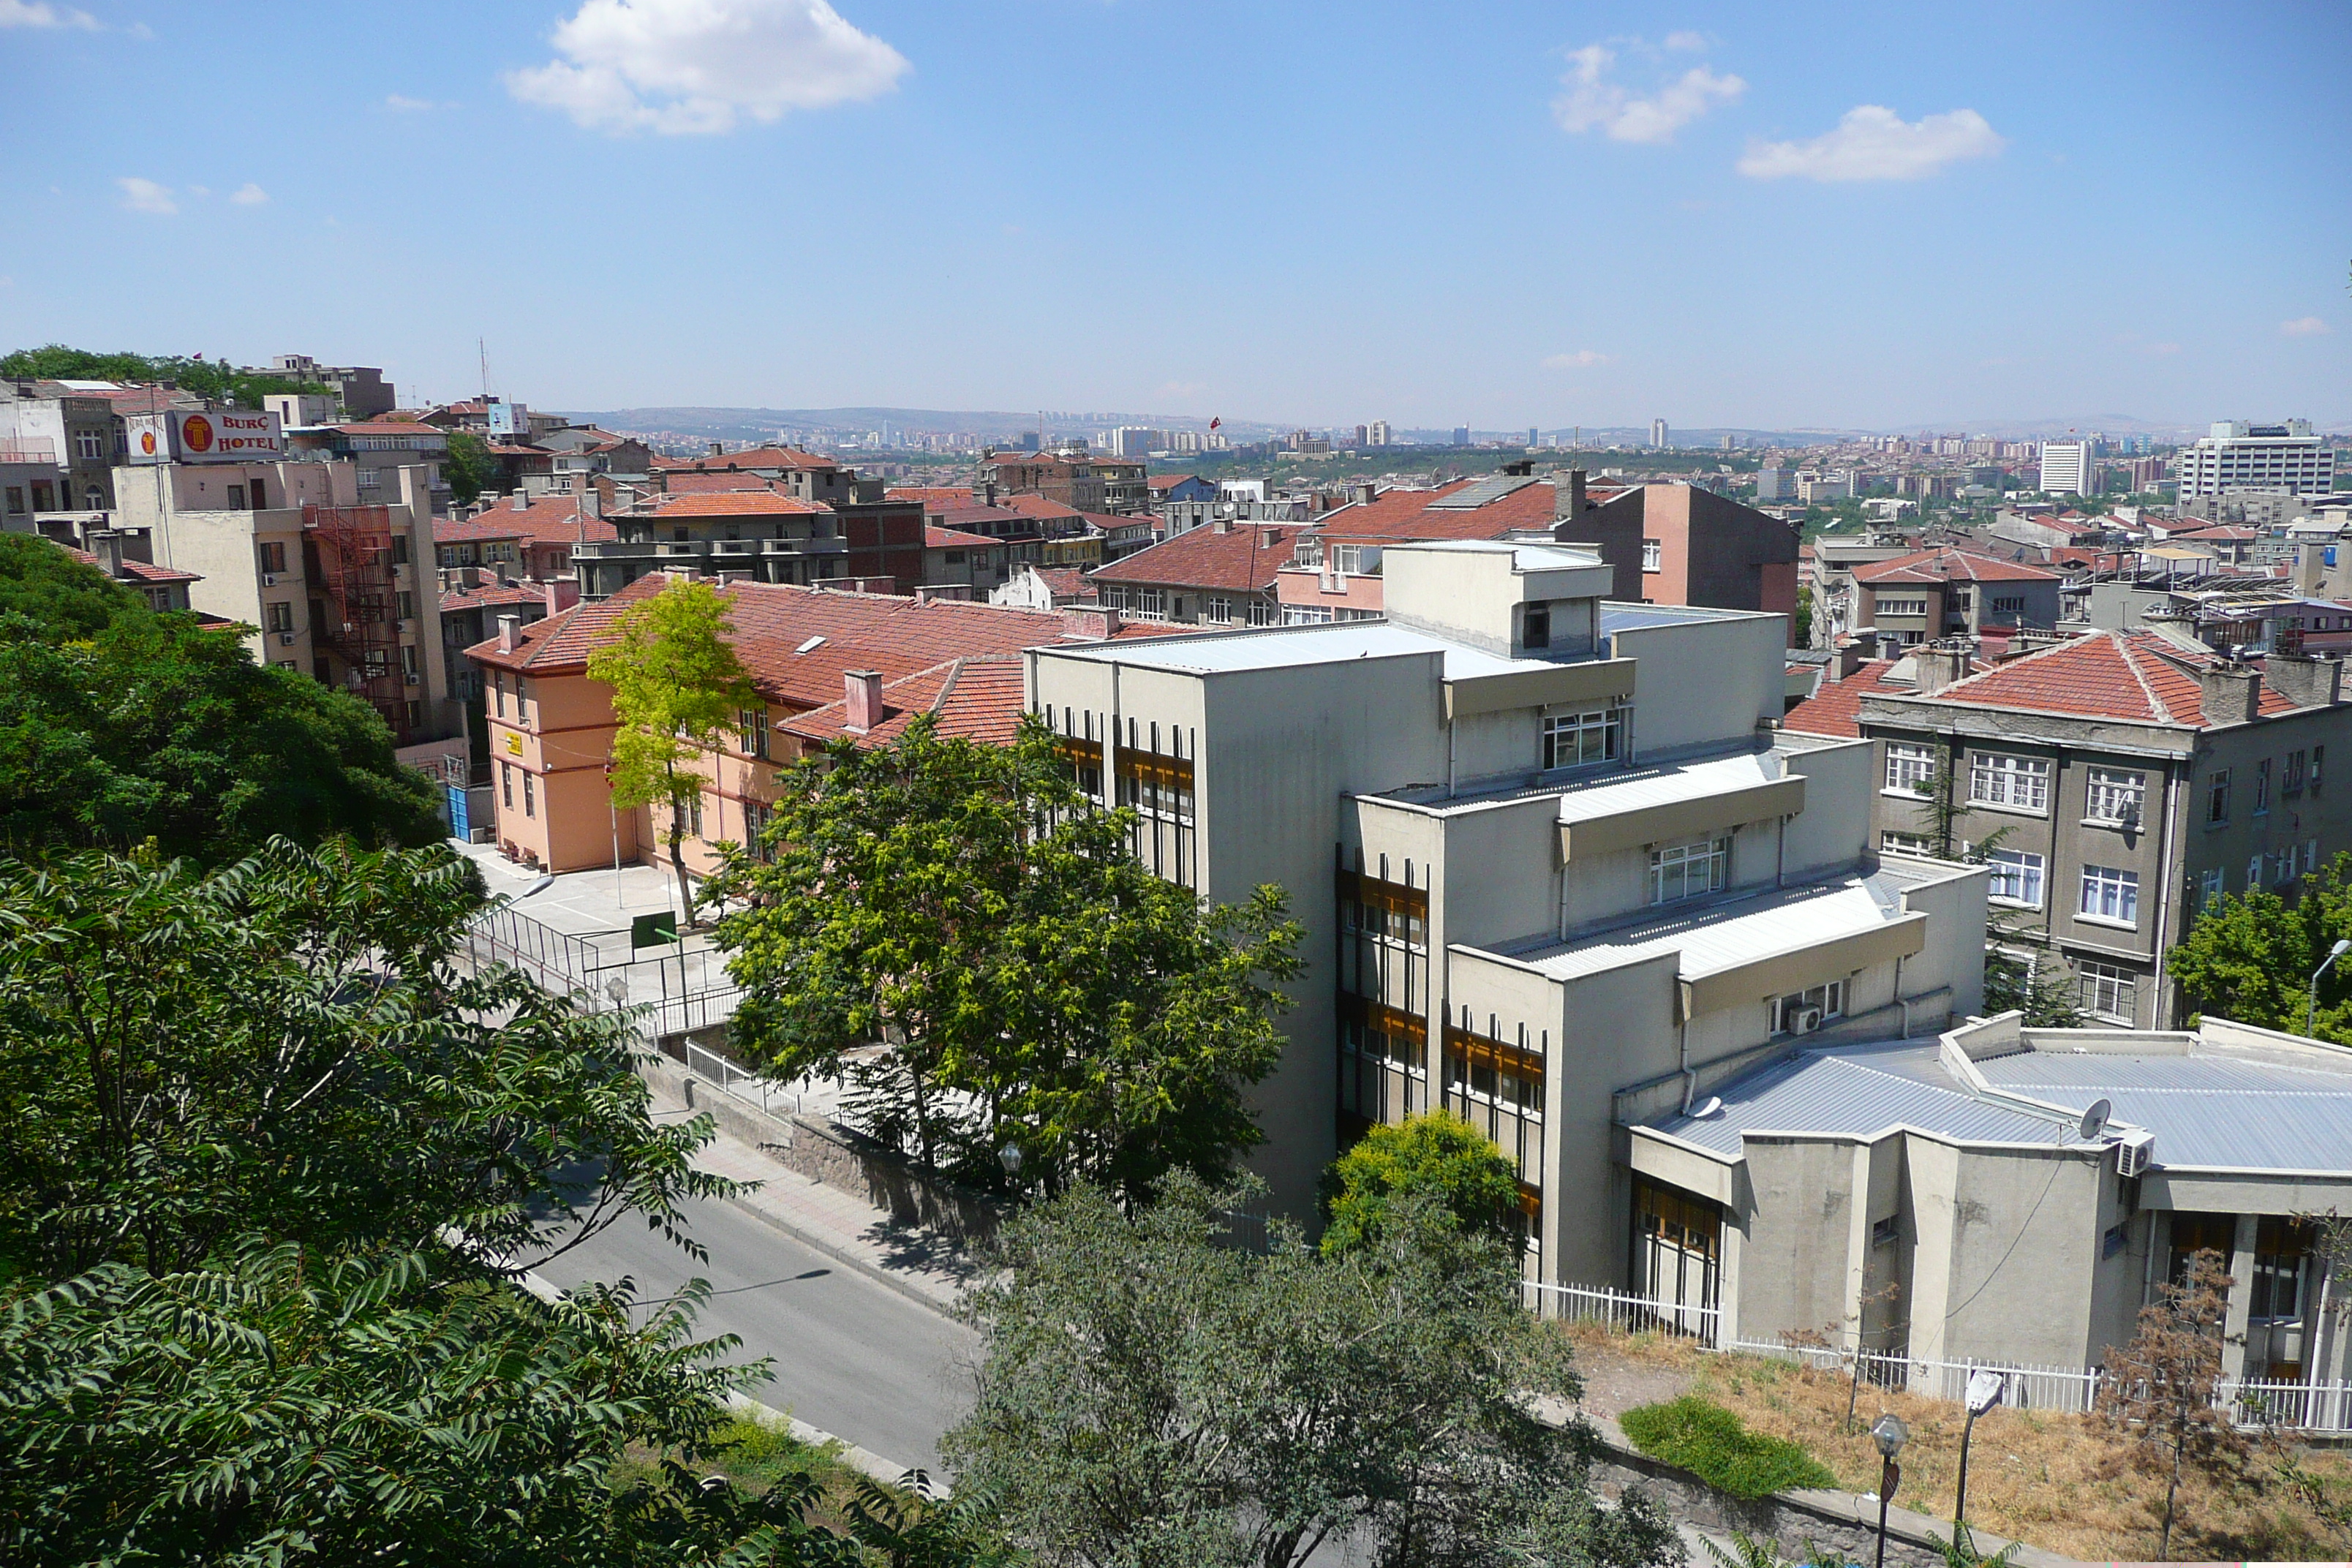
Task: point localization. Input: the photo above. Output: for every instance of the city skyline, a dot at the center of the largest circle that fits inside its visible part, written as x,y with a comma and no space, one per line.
1531,216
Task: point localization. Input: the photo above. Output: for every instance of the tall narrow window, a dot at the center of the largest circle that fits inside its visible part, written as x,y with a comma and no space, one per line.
530,800
2261,786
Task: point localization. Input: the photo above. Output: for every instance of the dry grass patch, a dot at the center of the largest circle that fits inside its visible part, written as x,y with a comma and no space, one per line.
2066,1483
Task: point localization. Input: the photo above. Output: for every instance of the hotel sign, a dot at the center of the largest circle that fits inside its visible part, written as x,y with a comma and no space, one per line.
205,436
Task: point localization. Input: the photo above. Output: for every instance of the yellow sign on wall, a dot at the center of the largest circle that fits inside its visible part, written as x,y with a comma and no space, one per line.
514,744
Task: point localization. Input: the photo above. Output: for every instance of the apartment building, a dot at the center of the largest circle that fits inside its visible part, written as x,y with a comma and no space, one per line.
1082,482
340,589
531,537
1334,574
2068,469
1944,592
2116,783
1225,574
74,429
551,728
360,389
1686,546
378,450
1548,853
2024,1192
2236,456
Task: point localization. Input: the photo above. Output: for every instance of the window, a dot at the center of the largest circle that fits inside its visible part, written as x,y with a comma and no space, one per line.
2107,991
1653,555
2291,776
2318,760
2012,607
1902,607
2021,783
755,732
237,497
1350,559
2016,878
1688,870
409,666
1802,1012
2210,886
2253,873
692,815
2284,866
2281,1244
1536,627
1909,768
260,494
1151,602
2261,786
16,498
506,784
282,616
2217,796
1574,739
756,818
366,478
2310,856
498,685
1905,844
273,556
2110,893
1885,1232
2114,797
407,605
1215,608
90,446
2113,1239
529,798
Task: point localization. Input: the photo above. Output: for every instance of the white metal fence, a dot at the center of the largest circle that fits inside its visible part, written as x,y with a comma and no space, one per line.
2310,1407
734,1078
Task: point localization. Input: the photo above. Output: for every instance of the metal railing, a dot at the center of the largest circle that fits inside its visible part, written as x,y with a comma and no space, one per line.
733,1078
2313,1407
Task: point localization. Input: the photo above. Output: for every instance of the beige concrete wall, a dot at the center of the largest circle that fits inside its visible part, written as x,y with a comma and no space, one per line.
1803,1198
1704,683
2014,1235
1475,596
1834,828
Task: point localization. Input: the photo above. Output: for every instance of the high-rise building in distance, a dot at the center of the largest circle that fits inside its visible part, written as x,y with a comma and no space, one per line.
2237,456
1658,434
2066,468
1462,435
1378,433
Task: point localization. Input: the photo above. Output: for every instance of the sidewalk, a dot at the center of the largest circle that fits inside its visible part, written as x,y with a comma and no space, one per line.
921,1264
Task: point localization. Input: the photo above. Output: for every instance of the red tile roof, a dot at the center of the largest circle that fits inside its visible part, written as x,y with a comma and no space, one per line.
1416,514
775,623
751,457
980,697
493,593
2222,532
1170,481
1243,560
728,503
551,518
2134,676
144,571
1948,566
932,495
949,539
1830,709
1037,506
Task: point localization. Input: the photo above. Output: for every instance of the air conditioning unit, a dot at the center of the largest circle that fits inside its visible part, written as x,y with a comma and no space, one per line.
2135,1152
270,579
1809,1020
286,639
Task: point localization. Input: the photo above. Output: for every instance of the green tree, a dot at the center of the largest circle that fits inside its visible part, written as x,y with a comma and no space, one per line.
211,378
677,691
135,726
2249,956
966,904
1802,629
1152,1395
468,468
271,1155
1437,1157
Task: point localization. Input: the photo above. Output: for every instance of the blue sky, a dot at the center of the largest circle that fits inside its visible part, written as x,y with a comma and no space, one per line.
1884,217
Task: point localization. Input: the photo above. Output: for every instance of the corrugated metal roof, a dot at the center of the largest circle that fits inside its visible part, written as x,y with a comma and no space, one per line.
1664,786
1718,936
2205,1109
1846,1092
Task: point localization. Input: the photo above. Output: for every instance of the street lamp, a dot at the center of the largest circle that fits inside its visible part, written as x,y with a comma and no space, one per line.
1985,1389
2311,1014
1889,1433
1010,1157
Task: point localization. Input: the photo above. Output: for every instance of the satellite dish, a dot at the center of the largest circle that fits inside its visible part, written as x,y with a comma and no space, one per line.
2094,1120
1714,1105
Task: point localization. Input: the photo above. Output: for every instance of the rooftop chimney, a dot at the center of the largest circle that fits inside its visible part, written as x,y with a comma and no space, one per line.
719,448
1938,665
865,694
1568,500
1102,624
1224,524
107,545
1363,494
561,595
2233,691
2303,680
509,633
1849,657
521,503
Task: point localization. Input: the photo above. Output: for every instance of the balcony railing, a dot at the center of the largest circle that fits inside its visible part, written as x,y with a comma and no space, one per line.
27,449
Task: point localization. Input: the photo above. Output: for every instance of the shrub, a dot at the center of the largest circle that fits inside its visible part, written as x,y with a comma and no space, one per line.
1710,1442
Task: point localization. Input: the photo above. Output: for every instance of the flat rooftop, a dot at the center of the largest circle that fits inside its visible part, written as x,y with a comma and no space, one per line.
1606,792
1740,928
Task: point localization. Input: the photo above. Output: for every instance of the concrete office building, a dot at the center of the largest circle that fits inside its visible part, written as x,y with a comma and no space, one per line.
1775,484
1546,852
1658,434
2067,469
2237,455
1376,434
2133,778
1964,1172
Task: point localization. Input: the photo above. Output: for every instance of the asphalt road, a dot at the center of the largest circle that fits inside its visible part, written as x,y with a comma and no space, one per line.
848,1354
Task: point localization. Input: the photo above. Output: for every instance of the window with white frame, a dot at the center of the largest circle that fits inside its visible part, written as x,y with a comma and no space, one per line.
2261,786
1574,739
2020,783
2253,873
1887,606
2310,856
2210,886
2016,878
1688,870
1653,556
2013,605
2114,795
1909,768
2110,893
1802,1012
1216,609
2107,991
1350,560
2217,796
1892,843
1152,602
2283,868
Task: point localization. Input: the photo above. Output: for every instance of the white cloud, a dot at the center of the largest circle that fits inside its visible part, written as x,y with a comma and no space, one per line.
39,14
249,194
145,196
406,105
1593,101
1577,361
1685,40
2304,327
200,191
696,67
1871,142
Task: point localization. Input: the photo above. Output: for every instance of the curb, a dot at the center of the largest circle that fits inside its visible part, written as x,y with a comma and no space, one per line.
865,1265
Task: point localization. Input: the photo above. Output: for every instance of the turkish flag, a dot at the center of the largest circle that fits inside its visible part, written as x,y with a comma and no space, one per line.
1214,423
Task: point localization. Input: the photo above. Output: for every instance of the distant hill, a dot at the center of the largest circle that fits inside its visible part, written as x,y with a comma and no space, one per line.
757,424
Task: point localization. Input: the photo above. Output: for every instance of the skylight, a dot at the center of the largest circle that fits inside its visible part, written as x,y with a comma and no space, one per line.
812,642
